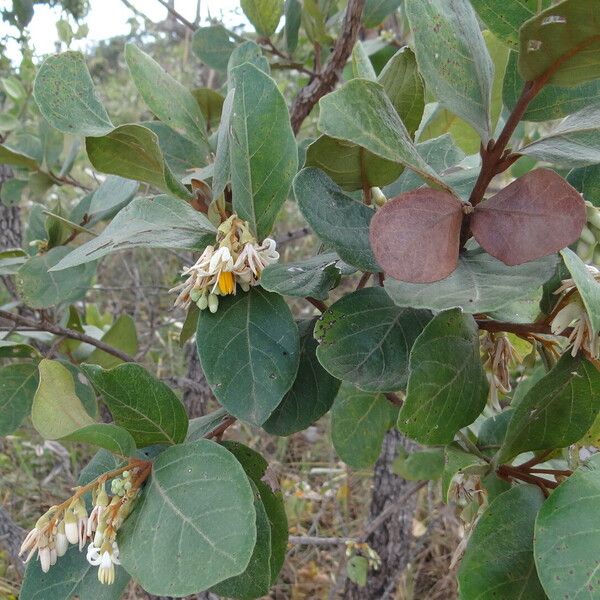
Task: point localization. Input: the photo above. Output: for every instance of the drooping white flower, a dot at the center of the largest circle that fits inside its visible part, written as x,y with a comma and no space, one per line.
105,557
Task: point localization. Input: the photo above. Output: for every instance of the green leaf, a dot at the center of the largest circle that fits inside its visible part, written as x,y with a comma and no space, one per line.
404,87
263,14
195,540
339,220
66,97
311,394
83,390
566,543
132,151
8,122
211,105
12,260
349,165
122,336
310,277
458,462
11,191
557,410
162,222
113,194
505,19
200,426
447,386
357,569
498,562
53,414
564,38
258,470
574,142
249,350
375,11
261,173
585,180
17,159
40,287
222,164
419,466
247,52
213,46
13,87
360,112
10,349
105,435
293,14
170,101
480,284
18,384
72,576
140,403
453,59
366,339
552,102
359,422
361,63
587,285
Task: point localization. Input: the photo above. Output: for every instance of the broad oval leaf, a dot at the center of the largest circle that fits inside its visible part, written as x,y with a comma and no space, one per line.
65,95
416,236
41,287
453,59
557,410
359,422
113,194
311,277
339,220
9,156
447,386
375,11
143,405
498,562
479,284
213,46
263,14
366,339
563,38
18,384
132,151
360,112
249,350
311,394
113,438
536,215
585,180
170,101
161,222
121,335
419,466
193,541
566,543
261,173
57,411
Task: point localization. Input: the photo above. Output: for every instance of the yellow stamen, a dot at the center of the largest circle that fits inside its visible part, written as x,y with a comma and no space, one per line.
226,283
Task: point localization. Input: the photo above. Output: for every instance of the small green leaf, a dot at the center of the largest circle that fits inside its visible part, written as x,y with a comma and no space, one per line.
263,14
447,386
132,151
12,260
420,466
211,105
311,277
200,426
375,11
40,287
65,95
357,569
566,545
140,403
585,180
122,336
499,561
57,411
339,220
293,13
366,339
311,394
453,59
213,46
261,174
222,164
360,112
17,159
10,349
361,64
458,462
18,384
359,422
479,284
11,191
247,52
249,350
114,193
170,101
557,410
195,542
162,222
105,435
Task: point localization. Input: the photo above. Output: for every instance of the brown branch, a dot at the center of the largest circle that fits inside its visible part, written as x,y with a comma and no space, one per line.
177,15
318,304
522,329
310,94
363,280
394,398
218,431
64,332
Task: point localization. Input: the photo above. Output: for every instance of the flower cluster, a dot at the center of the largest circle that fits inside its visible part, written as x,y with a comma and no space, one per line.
574,313
69,523
500,355
236,259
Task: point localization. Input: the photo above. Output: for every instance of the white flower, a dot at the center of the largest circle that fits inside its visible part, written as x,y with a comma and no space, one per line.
61,541
582,335
71,529
105,557
45,558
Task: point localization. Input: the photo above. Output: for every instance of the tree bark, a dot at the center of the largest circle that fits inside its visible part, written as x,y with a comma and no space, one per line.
393,541
10,228
196,401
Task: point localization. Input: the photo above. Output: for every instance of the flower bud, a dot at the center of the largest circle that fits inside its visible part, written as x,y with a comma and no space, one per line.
378,196
202,302
587,236
213,303
62,543
70,521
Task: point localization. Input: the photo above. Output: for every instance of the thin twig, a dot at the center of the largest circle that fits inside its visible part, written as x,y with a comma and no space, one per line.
178,16
318,304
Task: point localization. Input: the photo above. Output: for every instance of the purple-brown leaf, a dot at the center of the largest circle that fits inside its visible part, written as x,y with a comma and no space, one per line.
415,236
536,215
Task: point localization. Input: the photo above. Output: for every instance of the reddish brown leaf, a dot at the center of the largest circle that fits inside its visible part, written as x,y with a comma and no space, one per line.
536,215
415,236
